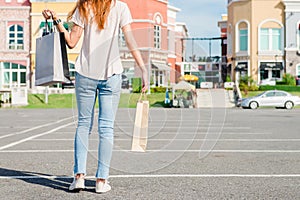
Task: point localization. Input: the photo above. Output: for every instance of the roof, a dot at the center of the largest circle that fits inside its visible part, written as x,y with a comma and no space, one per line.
183,85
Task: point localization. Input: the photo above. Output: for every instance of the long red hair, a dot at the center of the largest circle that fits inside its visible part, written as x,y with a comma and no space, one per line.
100,10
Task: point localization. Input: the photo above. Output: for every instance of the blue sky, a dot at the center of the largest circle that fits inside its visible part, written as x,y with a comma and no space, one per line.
201,18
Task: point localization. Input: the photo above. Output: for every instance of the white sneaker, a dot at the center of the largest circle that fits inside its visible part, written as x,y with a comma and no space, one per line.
102,187
77,184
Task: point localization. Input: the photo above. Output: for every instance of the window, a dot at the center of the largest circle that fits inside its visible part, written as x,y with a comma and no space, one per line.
157,37
15,37
270,94
280,94
270,39
72,70
298,71
13,75
243,39
122,42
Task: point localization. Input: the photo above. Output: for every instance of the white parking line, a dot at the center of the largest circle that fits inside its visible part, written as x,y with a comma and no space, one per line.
161,151
165,176
175,133
35,136
34,128
171,139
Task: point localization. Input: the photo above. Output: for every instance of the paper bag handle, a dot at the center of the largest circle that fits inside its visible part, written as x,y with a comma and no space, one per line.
48,28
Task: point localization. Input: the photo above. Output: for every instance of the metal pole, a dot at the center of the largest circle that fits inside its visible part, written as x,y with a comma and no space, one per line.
46,94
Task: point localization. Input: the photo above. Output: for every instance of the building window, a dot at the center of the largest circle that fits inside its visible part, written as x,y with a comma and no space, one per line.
298,37
157,37
122,42
72,70
13,75
298,71
15,37
243,33
270,39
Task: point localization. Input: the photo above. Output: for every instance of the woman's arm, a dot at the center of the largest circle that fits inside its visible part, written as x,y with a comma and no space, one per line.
73,37
131,44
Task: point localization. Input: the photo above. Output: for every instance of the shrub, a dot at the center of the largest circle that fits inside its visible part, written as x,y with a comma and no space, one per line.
247,84
288,79
228,79
136,85
158,89
287,88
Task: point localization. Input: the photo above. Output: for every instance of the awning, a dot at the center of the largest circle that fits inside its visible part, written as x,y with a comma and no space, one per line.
271,66
182,85
160,66
188,77
241,66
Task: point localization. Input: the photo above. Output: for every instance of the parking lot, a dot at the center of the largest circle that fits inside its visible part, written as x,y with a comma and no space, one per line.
191,154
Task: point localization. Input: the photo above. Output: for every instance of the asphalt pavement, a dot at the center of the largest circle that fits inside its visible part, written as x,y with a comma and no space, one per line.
205,153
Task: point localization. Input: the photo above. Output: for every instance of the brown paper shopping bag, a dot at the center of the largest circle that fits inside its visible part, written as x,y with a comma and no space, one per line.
140,132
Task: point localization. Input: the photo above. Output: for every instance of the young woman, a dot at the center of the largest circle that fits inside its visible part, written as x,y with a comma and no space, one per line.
98,72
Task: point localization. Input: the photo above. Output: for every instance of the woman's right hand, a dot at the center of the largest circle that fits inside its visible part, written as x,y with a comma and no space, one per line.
47,14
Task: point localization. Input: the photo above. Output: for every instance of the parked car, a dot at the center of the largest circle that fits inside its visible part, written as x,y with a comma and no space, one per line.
274,98
125,82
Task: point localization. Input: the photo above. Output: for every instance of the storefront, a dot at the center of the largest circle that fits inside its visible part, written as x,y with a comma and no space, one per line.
271,71
241,70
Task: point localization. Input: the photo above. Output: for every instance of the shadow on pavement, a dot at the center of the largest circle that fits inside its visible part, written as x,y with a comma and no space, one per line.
42,180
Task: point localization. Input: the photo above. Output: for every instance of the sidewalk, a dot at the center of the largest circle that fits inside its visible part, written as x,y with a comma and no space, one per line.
215,98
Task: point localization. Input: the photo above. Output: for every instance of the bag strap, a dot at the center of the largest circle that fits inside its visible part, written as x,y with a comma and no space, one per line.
48,28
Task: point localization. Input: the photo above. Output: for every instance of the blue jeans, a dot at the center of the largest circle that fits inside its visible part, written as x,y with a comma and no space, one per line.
108,96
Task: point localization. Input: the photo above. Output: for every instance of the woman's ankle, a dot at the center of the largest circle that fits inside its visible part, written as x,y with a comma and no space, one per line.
100,180
77,176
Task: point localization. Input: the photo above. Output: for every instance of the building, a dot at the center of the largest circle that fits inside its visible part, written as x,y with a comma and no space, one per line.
14,43
181,32
256,38
292,43
225,70
158,38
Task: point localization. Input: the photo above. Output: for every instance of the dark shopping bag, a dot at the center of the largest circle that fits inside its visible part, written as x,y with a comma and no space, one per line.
140,132
51,61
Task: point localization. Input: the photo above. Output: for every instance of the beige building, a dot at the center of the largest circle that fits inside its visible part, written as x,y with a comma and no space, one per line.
255,34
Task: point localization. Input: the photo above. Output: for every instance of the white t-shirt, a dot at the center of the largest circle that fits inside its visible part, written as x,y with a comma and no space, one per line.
99,57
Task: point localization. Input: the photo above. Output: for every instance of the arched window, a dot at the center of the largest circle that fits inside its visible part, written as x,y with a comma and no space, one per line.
16,37
270,36
242,37
157,31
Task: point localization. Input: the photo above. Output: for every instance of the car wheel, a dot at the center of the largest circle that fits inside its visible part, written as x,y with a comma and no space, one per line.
253,105
288,105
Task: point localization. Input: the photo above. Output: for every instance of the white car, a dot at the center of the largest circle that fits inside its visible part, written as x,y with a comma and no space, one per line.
275,98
